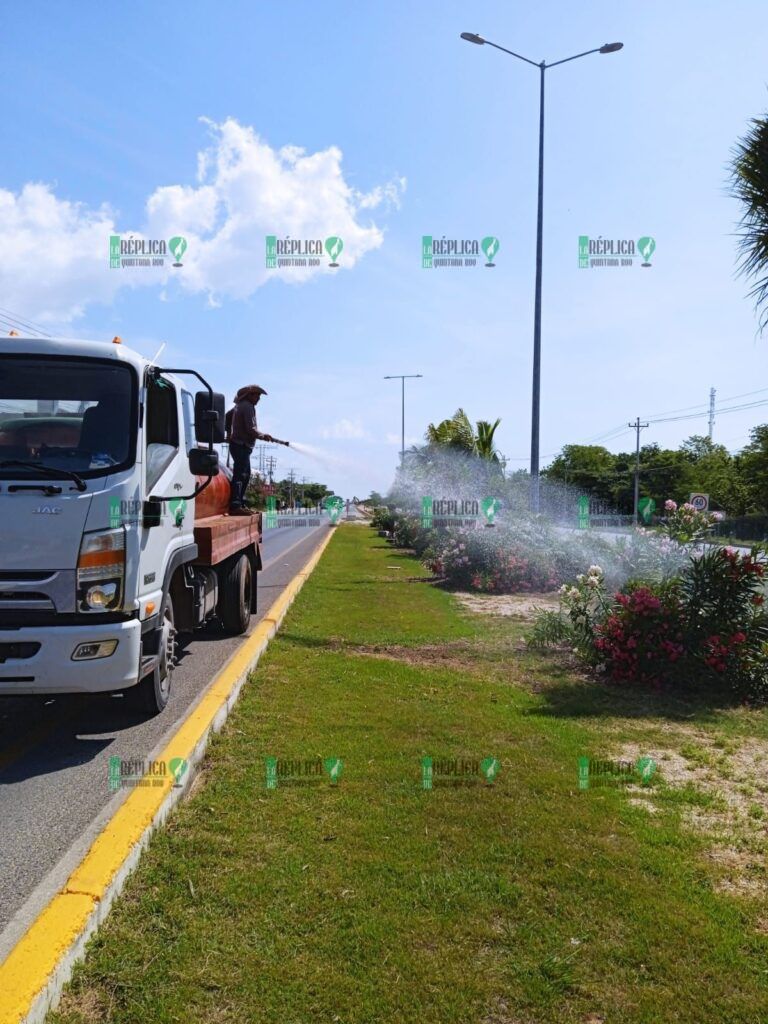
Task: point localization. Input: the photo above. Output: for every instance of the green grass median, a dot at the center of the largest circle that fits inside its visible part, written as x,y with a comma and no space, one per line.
376,900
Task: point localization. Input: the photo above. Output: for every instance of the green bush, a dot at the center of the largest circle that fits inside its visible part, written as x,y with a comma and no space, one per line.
383,518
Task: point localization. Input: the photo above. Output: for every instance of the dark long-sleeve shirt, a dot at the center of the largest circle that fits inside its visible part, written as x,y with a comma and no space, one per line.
244,430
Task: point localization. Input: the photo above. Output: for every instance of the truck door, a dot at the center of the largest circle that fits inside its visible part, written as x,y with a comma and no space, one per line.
166,473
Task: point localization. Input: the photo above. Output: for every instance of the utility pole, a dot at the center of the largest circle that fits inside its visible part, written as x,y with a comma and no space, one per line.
270,465
712,394
402,378
637,426
291,478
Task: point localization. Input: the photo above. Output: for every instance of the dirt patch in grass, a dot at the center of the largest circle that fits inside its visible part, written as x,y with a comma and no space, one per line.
87,1005
456,654
501,1013
469,655
520,606
644,803
735,808
739,872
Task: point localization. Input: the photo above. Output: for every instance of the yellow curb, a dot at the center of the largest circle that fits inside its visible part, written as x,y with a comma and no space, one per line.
40,964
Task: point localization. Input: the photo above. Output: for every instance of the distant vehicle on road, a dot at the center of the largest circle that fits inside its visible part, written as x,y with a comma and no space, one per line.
112,532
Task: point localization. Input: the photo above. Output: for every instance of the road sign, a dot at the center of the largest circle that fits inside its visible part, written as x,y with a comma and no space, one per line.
646,507
700,502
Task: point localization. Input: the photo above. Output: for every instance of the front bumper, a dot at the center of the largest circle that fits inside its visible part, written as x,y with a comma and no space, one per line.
51,669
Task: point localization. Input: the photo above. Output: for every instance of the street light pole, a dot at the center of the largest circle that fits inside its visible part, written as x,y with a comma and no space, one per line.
473,37
536,392
402,378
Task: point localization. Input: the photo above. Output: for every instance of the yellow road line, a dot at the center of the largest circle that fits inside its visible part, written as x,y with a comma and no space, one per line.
36,969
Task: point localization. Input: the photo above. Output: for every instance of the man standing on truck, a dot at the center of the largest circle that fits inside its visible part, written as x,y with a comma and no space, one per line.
242,434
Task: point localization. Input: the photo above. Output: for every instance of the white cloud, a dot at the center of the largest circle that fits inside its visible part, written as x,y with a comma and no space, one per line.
344,430
54,252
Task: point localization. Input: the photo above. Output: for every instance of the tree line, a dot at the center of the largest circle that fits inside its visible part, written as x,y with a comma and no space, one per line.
736,483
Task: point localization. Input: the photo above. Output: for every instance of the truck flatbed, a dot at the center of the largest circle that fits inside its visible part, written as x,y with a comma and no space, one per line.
218,537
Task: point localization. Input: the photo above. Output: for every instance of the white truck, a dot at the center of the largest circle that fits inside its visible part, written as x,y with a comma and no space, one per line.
112,532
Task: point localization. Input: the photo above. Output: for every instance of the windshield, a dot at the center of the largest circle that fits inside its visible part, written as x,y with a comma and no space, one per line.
71,414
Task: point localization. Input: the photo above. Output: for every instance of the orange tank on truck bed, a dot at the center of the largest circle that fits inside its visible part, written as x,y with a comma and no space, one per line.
217,535
214,500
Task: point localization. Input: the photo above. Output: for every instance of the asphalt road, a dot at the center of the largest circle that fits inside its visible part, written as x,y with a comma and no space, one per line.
54,792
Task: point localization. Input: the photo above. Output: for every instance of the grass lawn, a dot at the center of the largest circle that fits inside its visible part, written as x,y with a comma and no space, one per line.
376,901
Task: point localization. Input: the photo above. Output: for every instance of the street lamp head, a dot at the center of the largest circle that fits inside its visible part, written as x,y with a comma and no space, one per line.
611,47
473,37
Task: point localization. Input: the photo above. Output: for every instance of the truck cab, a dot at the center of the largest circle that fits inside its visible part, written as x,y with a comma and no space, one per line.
100,565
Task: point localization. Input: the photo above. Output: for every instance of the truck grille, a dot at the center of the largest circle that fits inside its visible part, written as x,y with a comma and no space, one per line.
25,577
40,591
21,599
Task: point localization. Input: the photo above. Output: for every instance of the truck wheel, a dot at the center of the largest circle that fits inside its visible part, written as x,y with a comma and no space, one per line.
236,586
152,693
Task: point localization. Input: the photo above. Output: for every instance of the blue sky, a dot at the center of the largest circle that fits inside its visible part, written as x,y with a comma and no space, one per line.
406,130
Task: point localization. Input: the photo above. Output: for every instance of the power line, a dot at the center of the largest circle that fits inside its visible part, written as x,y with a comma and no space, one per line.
14,327
15,321
704,410
620,429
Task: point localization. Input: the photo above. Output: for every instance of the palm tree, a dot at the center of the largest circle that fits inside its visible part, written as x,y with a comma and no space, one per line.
749,184
455,432
484,445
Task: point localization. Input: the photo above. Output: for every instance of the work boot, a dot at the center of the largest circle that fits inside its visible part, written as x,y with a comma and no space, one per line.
242,511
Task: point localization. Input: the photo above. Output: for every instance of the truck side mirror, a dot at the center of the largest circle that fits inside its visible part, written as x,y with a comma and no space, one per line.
203,462
209,417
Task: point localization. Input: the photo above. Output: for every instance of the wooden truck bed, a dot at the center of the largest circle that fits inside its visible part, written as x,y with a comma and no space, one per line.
218,537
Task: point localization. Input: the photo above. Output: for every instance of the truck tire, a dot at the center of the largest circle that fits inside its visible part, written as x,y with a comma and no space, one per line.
236,595
152,693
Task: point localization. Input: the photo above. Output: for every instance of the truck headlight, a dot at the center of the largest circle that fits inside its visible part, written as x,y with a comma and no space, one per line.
101,571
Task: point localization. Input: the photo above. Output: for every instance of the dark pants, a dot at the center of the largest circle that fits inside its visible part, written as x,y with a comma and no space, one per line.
241,473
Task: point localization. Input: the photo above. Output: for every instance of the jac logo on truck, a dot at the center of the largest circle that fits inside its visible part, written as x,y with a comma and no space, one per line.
47,510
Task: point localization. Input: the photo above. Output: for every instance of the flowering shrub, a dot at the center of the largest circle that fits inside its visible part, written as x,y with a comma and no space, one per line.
585,603
530,555
687,525
492,562
641,639
726,623
409,533
707,622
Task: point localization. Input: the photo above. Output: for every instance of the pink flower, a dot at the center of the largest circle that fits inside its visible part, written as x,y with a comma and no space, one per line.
670,506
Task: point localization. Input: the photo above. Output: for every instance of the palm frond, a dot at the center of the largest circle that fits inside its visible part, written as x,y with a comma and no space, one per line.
749,184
